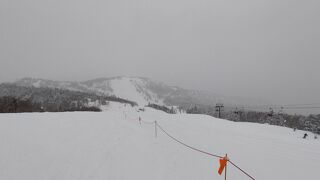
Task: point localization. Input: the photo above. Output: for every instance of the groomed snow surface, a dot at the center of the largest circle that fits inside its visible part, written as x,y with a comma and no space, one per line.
128,88
111,145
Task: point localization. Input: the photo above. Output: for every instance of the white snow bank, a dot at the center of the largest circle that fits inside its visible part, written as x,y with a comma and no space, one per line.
112,145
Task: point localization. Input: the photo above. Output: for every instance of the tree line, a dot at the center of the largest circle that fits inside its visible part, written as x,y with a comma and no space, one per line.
162,108
308,123
15,98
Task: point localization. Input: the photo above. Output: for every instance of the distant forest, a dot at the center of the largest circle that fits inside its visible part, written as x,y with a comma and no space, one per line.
15,98
162,108
308,123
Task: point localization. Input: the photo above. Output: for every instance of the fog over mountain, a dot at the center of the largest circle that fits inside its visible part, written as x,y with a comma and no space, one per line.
142,90
267,49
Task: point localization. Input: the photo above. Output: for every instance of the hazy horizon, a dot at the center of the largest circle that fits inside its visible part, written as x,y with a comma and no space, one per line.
257,49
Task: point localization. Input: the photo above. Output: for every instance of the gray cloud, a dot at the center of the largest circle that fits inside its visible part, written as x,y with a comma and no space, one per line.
268,49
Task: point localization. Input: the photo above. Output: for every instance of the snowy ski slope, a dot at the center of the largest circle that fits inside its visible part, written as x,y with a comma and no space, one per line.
111,145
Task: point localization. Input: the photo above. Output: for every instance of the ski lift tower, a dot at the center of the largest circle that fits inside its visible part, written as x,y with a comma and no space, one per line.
219,108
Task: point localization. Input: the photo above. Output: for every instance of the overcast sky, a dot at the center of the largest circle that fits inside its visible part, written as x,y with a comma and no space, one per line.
250,48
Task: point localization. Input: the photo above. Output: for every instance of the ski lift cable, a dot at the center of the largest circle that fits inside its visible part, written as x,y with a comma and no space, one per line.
280,107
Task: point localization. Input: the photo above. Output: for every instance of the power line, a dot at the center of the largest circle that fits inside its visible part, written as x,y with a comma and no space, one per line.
310,104
309,107
279,107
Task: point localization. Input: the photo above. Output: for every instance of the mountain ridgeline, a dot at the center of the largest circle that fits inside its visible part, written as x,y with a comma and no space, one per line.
141,90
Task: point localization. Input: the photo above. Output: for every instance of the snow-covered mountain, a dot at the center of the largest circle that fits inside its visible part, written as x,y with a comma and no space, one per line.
141,90
135,89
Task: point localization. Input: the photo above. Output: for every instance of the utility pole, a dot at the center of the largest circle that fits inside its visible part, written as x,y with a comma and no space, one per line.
219,107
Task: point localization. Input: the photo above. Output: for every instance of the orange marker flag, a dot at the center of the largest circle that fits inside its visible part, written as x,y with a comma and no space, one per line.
223,163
